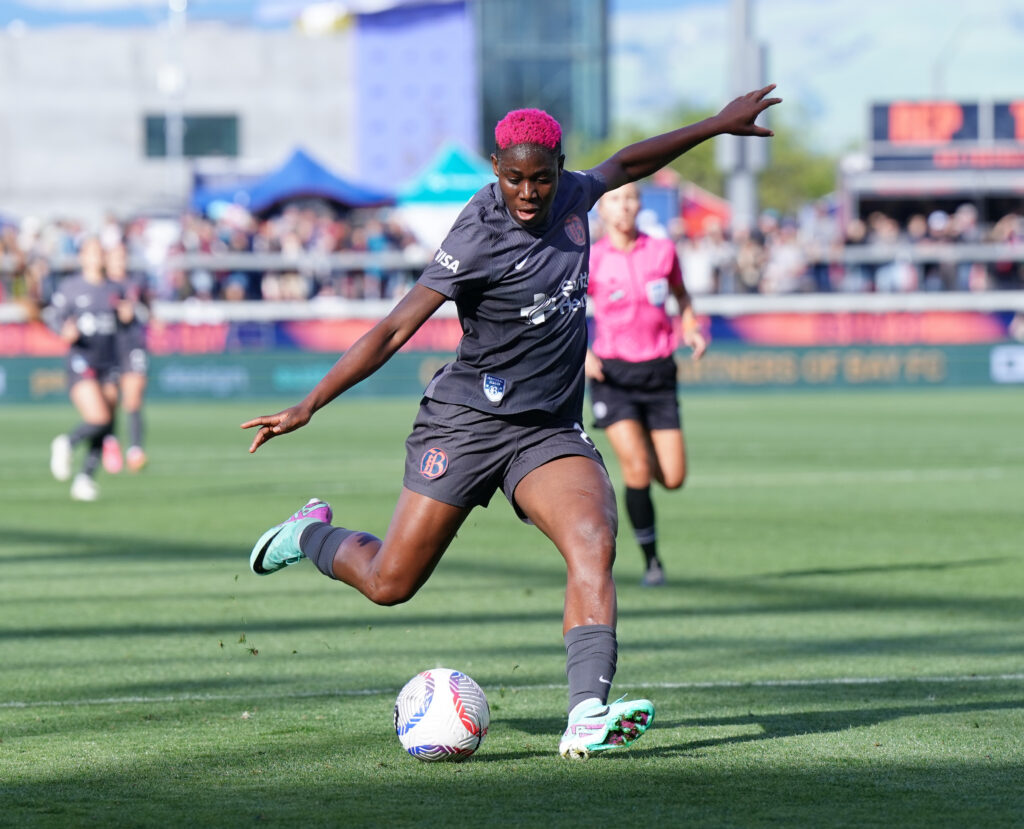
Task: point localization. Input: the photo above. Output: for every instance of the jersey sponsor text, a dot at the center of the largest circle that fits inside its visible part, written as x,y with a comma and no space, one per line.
563,302
446,260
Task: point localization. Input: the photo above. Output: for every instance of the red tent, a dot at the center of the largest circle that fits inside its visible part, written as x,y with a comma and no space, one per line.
700,208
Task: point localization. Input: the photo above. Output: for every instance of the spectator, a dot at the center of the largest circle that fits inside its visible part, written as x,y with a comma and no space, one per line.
35,254
785,268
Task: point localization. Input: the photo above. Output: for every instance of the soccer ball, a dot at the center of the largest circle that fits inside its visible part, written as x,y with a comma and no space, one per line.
441,715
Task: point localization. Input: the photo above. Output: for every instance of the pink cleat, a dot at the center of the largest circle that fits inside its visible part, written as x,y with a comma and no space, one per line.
113,461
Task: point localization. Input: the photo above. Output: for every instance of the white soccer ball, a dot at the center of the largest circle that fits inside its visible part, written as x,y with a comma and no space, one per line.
441,715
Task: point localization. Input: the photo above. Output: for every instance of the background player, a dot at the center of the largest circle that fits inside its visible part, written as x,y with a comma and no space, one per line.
83,309
631,362
506,412
132,356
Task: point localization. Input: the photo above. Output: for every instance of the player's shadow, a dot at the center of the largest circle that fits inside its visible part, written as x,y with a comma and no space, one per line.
902,567
799,723
769,726
546,730
68,547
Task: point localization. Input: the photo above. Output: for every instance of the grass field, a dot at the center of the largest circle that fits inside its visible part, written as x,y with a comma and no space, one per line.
841,642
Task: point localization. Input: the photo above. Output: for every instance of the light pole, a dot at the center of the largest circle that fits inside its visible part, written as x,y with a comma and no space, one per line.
171,82
741,158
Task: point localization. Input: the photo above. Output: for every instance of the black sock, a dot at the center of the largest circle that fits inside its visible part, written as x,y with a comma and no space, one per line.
88,431
135,428
591,654
95,453
640,509
319,542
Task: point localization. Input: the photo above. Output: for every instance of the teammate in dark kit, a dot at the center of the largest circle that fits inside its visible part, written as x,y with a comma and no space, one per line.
83,310
507,411
132,355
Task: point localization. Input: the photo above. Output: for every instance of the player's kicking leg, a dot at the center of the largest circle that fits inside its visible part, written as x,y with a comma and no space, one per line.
387,571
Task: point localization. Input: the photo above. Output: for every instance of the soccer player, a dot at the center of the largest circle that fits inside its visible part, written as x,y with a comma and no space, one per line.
133,358
83,310
507,411
631,364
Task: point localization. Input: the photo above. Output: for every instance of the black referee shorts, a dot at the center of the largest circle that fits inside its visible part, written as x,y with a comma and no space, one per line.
645,392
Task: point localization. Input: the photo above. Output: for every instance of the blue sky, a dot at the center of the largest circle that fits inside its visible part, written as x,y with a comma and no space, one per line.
831,58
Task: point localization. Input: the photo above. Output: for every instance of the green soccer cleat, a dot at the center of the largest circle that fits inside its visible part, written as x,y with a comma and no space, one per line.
616,725
278,547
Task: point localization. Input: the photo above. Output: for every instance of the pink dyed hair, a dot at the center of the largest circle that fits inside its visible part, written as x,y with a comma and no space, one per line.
528,126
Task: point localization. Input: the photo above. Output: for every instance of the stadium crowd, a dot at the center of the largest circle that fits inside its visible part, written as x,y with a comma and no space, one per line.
784,254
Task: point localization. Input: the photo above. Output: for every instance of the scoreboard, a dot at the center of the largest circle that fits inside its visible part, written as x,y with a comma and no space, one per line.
935,135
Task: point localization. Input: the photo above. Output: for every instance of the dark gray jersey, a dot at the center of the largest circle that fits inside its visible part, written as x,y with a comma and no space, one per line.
93,307
521,296
135,289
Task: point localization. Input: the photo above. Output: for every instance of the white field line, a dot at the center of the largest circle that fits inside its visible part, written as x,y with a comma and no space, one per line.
848,476
369,692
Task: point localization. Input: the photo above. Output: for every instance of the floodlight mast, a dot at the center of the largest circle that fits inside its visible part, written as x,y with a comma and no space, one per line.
172,84
741,158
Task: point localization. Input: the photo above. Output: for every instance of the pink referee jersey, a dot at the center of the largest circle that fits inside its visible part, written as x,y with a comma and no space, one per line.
628,291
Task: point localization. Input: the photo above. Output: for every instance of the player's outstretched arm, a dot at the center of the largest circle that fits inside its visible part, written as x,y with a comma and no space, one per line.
645,157
368,354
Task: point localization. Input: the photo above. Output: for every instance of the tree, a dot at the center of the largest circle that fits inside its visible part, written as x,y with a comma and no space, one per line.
795,174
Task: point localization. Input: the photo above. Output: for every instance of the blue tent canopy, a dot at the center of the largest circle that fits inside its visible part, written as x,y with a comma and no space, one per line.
453,176
301,176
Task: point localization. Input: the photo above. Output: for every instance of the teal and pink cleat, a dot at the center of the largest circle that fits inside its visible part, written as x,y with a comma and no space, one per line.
604,727
278,547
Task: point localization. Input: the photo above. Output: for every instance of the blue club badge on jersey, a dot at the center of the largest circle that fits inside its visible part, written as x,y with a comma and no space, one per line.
494,388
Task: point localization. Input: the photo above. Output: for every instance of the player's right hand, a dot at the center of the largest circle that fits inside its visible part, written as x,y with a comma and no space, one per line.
271,426
69,331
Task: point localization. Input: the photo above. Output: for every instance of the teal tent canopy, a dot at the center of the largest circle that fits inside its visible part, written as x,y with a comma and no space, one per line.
452,177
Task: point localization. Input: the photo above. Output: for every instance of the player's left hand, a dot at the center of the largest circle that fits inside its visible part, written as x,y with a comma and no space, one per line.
738,116
271,426
695,340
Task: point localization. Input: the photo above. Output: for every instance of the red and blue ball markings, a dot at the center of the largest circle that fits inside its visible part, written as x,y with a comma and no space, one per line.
436,751
455,684
402,728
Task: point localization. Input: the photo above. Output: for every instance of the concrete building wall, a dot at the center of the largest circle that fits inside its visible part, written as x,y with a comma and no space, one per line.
73,102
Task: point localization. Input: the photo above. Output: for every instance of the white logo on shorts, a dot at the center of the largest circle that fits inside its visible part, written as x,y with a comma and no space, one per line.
583,435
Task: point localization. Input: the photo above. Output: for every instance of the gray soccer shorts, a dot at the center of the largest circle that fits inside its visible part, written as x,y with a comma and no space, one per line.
461,456
79,368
